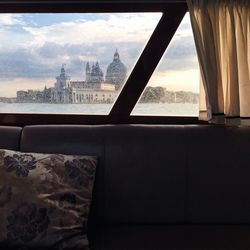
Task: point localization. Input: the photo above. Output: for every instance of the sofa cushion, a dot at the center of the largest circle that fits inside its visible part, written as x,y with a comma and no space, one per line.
145,179
141,174
45,199
10,137
171,237
159,174
218,174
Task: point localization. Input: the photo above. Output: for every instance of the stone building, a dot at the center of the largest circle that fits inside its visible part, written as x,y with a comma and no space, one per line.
101,92
30,96
61,93
94,89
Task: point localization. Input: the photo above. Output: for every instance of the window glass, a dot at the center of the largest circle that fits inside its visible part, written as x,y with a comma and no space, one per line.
174,86
68,63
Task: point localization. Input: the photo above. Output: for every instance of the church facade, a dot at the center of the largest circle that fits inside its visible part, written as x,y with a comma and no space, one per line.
96,88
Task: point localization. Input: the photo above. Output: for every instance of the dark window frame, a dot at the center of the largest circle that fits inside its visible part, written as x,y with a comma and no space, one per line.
173,12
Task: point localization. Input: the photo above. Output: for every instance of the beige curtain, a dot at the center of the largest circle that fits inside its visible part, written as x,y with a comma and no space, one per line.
222,37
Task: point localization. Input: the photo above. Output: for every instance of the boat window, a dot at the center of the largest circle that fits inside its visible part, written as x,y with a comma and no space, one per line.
173,89
69,63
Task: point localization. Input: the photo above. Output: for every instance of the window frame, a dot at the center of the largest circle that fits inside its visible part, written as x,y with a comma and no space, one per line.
173,13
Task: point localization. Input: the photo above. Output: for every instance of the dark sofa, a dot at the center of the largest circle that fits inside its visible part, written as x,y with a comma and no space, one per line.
157,187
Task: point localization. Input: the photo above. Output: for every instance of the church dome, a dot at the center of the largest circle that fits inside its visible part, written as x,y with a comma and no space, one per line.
116,71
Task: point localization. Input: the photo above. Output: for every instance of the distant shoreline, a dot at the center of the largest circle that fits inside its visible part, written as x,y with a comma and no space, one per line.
150,95
89,103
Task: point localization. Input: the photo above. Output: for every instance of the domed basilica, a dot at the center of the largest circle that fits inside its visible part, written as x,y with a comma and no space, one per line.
94,89
116,71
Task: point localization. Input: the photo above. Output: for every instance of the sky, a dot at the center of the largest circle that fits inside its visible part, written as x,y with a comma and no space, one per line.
34,46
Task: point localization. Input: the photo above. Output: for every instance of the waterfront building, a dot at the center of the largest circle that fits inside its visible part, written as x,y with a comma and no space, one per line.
61,92
101,92
30,96
94,89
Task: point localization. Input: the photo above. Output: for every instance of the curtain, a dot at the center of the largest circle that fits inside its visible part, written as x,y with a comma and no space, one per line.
222,37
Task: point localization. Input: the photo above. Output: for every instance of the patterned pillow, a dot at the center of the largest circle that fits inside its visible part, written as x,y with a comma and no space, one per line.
45,200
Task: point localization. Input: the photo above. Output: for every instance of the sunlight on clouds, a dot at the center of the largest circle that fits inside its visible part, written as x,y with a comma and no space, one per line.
117,28
185,29
179,68
87,58
186,80
9,88
10,19
36,48
40,48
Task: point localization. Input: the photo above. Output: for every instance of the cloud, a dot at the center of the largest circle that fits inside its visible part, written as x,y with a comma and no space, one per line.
179,67
181,52
10,19
9,87
187,80
180,55
184,29
116,28
34,53
47,60
21,63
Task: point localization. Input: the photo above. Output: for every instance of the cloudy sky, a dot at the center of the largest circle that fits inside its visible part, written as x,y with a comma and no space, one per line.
34,46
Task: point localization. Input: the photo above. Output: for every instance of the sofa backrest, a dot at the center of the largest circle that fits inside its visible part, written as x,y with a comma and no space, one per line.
145,174
10,137
218,174
158,174
76,140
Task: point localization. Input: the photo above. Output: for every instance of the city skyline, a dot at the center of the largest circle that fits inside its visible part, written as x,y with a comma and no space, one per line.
44,41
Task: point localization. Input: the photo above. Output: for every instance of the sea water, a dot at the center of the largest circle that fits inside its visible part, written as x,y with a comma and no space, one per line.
161,109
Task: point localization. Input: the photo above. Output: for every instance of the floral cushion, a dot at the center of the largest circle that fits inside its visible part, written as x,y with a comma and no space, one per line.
45,200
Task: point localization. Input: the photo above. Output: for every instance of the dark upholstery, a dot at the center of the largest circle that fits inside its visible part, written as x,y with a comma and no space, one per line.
219,175
139,181
10,137
174,237
160,187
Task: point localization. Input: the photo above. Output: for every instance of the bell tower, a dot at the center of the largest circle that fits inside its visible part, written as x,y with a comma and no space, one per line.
88,72
116,56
